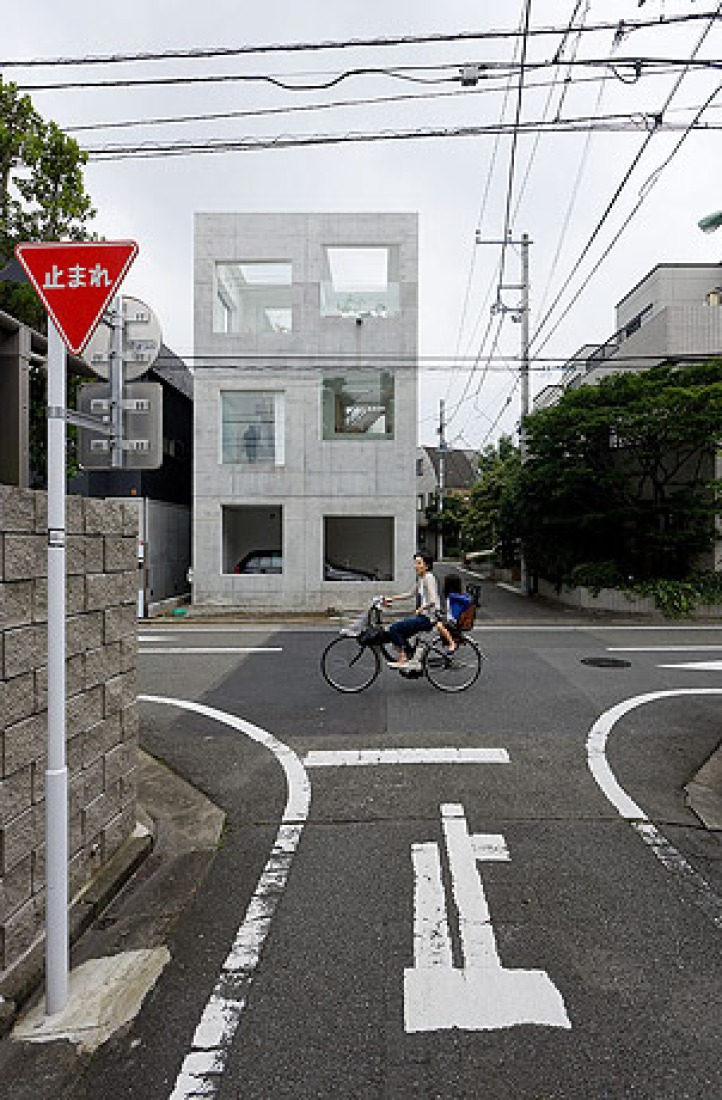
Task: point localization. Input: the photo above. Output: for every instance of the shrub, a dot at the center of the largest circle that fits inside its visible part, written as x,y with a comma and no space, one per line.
596,575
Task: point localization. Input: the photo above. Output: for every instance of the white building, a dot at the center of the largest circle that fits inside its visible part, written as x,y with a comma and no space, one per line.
305,408
674,314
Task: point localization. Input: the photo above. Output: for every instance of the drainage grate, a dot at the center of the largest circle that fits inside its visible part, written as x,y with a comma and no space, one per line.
606,662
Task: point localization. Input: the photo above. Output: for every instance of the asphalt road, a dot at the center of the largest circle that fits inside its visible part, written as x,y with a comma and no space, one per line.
439,930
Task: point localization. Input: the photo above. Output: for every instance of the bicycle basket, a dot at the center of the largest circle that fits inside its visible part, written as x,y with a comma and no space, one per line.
372,635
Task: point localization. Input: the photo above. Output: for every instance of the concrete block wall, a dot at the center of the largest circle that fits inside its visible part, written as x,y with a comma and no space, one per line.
102,720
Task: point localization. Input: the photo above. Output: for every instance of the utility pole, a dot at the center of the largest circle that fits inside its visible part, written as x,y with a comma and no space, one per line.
524,319
442,477
520,314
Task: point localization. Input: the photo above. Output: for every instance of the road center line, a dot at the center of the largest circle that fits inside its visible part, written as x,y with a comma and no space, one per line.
673,860
209,649
203,1067
359,758
663,648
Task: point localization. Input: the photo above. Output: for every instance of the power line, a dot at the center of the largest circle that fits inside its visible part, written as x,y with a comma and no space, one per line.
625,180
649,183
366,101
633,65
479,221
514,144
609,124
352,360
623,27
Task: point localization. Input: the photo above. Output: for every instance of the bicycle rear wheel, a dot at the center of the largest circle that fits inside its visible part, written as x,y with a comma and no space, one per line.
455,671
348,666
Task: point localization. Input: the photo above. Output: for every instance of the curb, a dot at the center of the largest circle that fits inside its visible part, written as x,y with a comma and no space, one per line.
704,792
27,975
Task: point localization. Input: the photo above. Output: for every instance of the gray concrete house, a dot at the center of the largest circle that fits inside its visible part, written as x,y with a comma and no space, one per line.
305,408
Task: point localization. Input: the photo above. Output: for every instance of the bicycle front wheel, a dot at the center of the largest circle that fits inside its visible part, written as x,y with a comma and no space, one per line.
455,671
348,666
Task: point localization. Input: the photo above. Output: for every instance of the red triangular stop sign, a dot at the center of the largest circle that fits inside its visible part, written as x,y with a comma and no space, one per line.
75,281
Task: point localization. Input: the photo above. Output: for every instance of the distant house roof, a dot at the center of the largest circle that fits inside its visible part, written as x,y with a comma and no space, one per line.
461,467
171,369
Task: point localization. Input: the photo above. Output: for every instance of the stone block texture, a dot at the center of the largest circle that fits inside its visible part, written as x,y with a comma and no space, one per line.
101,715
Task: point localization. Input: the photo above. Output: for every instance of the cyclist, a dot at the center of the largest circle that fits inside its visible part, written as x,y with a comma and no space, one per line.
428,608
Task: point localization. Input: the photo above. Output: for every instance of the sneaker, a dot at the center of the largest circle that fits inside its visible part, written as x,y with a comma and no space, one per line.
413,665
349,632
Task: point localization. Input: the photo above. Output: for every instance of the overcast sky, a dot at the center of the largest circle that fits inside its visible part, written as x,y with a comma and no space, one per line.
562,182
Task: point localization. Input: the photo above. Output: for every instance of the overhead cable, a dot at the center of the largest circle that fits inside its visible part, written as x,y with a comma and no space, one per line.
625,179
202,53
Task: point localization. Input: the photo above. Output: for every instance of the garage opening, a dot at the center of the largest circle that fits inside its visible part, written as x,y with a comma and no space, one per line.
358,548
252,539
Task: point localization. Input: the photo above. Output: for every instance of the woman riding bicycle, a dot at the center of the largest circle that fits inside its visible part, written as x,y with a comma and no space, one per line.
428,607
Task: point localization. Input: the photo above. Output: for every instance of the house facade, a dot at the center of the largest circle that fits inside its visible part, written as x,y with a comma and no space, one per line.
305,408
673,314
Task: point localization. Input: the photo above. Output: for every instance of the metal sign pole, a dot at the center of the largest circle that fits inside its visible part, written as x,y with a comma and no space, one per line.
116,382
56,774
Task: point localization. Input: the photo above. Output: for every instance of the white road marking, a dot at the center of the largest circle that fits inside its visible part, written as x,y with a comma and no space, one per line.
358,758
662,648
704,894
481,995
210,649
584,628
697,666
203,1067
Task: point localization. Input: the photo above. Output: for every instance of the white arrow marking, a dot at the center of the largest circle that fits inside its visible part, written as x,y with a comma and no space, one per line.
481,995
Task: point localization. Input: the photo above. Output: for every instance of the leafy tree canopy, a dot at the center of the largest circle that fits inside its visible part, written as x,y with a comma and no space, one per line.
624,472
42,194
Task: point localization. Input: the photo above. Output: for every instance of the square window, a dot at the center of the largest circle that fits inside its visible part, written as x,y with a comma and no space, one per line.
358,548
359,405
252,297
360,281
252,427
252,539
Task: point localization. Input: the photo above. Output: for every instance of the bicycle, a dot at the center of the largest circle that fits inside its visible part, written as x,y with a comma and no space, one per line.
352,662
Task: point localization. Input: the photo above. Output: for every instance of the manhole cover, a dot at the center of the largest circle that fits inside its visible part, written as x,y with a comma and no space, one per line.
606,662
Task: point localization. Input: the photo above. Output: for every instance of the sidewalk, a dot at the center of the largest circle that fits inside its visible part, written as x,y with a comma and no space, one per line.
122,951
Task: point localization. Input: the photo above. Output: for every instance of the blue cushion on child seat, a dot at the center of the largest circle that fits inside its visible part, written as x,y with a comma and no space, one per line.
458,602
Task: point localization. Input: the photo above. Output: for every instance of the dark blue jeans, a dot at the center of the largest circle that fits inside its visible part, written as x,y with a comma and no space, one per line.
401,631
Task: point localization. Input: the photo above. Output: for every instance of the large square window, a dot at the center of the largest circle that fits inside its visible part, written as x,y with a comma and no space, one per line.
358,548
252,427
360,281
359,405
252,297
252,540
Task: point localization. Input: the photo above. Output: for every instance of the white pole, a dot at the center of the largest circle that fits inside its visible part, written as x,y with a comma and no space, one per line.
442,480
56,775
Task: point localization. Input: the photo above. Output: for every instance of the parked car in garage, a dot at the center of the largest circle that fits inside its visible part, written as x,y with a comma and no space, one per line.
271,561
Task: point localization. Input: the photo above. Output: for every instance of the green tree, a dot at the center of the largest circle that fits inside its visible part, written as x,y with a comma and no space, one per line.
491,518
623,473
450,520
42,193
